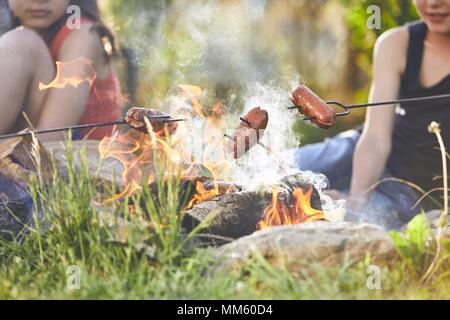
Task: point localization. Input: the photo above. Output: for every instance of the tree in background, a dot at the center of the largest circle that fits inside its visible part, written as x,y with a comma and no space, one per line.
362,39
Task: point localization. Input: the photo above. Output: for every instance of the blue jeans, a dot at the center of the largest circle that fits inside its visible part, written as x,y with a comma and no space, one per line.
76,135
391,203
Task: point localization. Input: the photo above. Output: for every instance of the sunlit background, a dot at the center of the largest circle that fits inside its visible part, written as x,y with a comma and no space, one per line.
227,46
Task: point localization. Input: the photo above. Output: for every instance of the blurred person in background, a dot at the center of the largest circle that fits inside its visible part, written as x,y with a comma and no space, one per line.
409,61
38,36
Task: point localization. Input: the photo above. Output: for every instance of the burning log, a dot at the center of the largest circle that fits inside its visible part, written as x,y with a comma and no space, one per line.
17,161
238,214
194,190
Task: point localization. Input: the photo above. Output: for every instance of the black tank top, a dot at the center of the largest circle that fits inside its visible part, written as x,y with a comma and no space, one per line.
415,155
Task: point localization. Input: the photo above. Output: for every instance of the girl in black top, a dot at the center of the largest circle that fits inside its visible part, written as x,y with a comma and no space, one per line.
409,61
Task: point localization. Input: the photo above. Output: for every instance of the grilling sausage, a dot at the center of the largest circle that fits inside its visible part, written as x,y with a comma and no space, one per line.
310,105
135,119
250,131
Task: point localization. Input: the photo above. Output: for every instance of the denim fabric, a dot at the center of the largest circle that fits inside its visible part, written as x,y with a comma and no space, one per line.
76,135
390,205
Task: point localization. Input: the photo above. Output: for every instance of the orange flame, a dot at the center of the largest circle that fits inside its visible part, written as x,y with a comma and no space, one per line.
193,93
202,194
137,151
72,73
279,213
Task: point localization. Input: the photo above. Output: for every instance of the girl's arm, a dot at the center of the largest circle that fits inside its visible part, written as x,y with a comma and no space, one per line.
374,146
65,107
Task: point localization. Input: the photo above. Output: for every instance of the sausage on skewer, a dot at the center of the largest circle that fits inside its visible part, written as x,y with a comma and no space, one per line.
135,119
311,106
250,131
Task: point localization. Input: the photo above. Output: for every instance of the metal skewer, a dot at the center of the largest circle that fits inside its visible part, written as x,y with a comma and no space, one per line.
269,150
162,118
347,108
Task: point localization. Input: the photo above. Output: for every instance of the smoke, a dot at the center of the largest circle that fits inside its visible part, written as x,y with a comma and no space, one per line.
221,48
218,46
231,50
260,166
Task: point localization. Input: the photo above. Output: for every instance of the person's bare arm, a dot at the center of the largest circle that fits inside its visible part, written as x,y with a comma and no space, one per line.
65,107
374,146
24,57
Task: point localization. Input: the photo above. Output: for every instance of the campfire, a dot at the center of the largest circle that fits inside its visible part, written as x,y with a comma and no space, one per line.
205,155
151,154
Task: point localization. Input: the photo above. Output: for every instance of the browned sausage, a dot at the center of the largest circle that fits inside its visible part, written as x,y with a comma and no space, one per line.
250,131
310,105
135,119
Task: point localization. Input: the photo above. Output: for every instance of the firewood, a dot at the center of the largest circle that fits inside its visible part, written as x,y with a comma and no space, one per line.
237,214
17,161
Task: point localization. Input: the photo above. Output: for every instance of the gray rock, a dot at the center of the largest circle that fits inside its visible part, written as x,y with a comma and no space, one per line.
433,219
325,242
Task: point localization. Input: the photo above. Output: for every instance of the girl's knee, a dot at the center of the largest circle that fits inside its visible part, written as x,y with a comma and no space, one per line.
26,41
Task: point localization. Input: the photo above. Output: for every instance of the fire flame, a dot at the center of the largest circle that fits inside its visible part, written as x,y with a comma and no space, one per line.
202,194
279,213
73,73
193,93
137,152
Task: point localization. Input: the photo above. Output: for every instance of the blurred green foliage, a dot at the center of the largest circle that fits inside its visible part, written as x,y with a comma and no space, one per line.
360,48
362,39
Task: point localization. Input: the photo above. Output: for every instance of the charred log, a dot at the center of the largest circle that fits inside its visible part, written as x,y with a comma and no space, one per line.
237,214
187,189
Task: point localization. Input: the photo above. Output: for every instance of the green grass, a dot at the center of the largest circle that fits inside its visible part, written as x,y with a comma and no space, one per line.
114,264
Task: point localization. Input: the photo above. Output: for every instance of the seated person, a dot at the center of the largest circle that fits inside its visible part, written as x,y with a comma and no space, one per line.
39,36
409,61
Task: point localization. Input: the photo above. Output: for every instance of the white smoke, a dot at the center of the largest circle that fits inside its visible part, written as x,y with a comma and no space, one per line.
217,45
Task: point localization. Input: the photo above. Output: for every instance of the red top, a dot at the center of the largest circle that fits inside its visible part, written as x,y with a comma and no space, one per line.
104,103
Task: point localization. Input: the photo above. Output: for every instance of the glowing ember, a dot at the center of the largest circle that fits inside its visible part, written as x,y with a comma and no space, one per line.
202,194
278,212
73,73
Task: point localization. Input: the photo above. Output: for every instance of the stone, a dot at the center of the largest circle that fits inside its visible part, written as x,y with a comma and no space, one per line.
324,242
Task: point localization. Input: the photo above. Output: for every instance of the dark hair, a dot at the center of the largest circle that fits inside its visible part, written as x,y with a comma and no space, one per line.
89,9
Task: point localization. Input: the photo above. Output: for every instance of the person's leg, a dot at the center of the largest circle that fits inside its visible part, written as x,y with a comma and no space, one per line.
332,157
24,62
391,205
